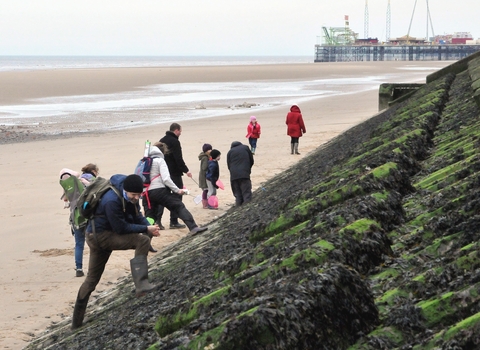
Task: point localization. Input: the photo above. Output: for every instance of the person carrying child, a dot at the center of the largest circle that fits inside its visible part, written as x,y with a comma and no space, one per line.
203,157
253,133
89,173
213,173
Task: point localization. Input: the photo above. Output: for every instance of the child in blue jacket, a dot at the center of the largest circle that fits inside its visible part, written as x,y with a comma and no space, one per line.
213,173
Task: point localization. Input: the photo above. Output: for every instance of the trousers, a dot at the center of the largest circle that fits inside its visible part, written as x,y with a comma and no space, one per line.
177,180
242,190
101,246
165,198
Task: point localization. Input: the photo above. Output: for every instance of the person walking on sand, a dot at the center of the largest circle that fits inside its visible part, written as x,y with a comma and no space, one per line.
239,163
253,133
89,173
203,157
176,167
118,226
213,173
295,127
161,188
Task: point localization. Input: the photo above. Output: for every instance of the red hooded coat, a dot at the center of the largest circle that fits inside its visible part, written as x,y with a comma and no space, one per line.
295,125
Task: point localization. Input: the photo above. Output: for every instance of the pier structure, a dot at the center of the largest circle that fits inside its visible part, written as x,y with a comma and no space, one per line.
353,53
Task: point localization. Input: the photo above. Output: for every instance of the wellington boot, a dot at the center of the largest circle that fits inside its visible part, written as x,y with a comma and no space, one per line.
205,203
293,147
139,267
253,150
79,311
296,148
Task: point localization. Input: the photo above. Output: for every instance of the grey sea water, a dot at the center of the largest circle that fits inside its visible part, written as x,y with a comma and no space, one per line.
8,63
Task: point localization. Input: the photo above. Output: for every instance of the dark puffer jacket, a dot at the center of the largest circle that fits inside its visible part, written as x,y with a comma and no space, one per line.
239,161
109,215
174,158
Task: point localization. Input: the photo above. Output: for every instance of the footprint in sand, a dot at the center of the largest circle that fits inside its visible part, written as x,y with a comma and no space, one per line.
54,252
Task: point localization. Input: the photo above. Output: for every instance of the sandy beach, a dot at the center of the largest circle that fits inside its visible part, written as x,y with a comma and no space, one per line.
38,280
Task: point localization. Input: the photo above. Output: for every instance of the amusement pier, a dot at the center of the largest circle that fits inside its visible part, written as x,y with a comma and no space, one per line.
342,44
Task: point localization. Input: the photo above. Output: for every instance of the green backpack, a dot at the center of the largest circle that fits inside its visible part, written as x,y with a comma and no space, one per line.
73,188
88,201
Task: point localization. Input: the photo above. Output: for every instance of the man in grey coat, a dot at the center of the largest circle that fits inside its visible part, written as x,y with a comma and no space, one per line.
240,162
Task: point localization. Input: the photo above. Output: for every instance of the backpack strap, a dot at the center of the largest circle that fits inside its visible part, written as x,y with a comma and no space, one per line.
123,205
146,191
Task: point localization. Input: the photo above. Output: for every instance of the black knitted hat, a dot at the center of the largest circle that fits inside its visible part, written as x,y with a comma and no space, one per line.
133,183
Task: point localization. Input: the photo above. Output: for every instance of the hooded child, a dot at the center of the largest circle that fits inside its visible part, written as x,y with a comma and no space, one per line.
203,157
253,133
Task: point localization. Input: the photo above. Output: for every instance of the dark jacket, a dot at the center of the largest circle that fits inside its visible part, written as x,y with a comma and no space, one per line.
174,158
110,216
203,158
213,172
294,121
239,161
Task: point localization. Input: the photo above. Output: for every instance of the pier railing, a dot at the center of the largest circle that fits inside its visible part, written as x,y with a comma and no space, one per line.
352,53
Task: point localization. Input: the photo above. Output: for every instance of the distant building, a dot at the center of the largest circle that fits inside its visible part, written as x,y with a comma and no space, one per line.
371,41
407,40
460,38
457,38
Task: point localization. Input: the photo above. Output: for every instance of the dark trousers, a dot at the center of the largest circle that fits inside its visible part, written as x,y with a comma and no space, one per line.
101,246
165,198
242,190
294,139
177,180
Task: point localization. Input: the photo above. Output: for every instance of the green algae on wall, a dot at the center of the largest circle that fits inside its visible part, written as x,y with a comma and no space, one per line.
469,323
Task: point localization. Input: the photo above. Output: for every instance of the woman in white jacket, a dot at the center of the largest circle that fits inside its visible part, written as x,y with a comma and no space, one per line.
161,188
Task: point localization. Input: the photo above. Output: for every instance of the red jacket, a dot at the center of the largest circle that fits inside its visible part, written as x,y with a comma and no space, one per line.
295,125
253,132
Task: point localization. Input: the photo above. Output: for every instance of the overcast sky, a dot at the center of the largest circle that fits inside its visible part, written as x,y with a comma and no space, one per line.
211,27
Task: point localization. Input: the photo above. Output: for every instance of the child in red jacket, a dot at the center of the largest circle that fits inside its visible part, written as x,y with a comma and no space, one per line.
253,133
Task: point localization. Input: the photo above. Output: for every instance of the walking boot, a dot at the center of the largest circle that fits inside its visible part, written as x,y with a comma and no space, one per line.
139,267
293,147
296,148
177,225
79,311
197,230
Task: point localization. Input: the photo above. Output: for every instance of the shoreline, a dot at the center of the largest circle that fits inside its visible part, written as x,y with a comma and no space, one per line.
23,86
42,88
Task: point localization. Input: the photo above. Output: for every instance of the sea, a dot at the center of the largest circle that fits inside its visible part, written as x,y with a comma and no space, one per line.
163,103
9,63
